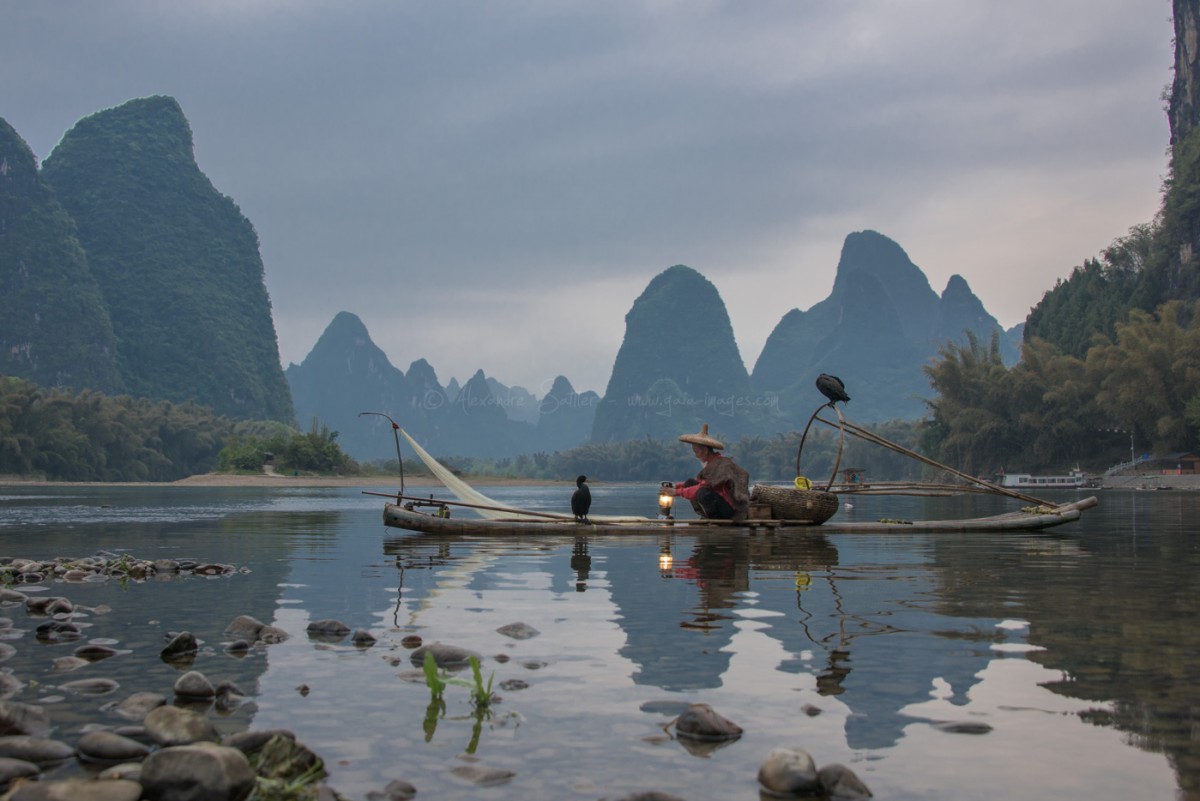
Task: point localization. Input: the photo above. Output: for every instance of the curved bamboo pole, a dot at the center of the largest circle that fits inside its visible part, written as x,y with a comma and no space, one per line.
841,441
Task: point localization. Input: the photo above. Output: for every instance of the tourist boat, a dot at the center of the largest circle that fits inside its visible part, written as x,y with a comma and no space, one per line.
1073,480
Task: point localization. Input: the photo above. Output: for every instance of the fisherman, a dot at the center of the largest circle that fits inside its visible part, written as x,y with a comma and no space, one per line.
721,490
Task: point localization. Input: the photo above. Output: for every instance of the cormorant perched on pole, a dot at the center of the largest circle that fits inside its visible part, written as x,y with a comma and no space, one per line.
832,387
581,500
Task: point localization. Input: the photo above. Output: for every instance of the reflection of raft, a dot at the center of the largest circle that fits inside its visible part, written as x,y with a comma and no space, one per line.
1030,519
785,503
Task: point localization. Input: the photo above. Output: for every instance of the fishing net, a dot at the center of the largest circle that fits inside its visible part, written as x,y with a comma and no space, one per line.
469,495
462,490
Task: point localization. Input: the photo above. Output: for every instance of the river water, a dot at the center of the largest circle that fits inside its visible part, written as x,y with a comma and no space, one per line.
1062,664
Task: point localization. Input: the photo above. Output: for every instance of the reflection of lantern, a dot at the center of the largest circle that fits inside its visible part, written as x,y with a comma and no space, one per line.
665,560
665,500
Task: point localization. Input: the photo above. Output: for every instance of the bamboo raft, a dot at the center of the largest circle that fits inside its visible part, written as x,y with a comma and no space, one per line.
396,515
780,510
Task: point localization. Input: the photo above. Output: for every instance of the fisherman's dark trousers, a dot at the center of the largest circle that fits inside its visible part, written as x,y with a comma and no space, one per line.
708,503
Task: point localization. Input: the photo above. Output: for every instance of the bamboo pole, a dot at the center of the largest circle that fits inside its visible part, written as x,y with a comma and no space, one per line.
431,501
872,437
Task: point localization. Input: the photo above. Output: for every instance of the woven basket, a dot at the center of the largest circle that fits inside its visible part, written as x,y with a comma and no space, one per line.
813,506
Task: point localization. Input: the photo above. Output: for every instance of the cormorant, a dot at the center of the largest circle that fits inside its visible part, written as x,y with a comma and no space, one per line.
581,500
832,387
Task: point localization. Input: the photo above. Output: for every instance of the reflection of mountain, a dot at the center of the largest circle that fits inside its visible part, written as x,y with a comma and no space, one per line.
1117,615
843,617
653,610
677,600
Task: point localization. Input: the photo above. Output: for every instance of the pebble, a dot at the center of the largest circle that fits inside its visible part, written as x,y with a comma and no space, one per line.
18,718
200,771
38,750
138,705
58,631
50,605
963,727
328,630
194,684
11,769
91,686
108,748
64,664
170,725
251,742
789,771
94,653
244,627
271,635
182,645
78,790
840,782
10,685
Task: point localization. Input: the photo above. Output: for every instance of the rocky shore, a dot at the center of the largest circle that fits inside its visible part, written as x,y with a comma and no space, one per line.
160,743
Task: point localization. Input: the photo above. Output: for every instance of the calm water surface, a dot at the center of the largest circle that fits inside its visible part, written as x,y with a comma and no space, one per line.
1061,665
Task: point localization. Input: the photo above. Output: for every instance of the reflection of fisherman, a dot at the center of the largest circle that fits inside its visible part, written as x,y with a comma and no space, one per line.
721,490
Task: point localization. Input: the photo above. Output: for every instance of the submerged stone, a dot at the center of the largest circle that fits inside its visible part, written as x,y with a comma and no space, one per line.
483,776
702,722
396,790
450,657
518,631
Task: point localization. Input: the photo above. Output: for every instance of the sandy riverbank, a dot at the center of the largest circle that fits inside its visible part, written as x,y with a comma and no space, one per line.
276,480
1151,481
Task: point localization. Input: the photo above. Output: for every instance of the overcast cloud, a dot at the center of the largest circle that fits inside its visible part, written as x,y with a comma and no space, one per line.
492,184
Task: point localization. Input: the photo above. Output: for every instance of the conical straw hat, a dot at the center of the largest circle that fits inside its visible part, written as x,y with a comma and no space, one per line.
703,439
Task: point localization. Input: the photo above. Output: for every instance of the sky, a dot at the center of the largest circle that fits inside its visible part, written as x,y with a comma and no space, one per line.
491,185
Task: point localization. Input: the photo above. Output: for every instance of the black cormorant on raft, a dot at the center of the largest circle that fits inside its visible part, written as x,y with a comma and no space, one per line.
581,500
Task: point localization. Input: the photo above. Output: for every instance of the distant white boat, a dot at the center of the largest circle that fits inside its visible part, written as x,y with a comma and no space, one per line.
1073,480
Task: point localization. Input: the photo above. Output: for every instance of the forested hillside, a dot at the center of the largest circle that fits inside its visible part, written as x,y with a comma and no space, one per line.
54,326
175,261
1113,353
